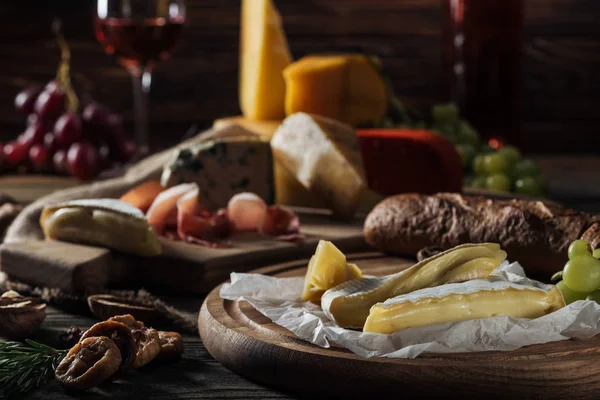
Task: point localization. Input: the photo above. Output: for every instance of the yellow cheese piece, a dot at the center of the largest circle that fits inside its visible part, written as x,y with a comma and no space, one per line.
512,302
349,304
266,129
324,157
327,268
264,54
343,87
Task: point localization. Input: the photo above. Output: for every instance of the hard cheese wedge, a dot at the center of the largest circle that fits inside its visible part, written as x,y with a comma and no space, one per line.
264,54
288,190
224,167
323,156
102,222
327,268
348,304
343,87
464,301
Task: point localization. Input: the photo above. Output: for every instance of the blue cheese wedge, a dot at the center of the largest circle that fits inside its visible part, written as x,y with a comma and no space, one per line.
469,300
223,167
108,223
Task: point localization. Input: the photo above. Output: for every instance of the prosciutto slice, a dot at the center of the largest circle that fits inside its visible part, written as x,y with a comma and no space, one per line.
280,221
163,211
193,221
246,211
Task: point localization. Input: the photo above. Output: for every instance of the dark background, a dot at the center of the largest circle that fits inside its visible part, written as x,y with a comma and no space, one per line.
199,84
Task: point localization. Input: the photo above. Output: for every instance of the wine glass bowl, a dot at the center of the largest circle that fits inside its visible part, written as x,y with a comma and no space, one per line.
140,33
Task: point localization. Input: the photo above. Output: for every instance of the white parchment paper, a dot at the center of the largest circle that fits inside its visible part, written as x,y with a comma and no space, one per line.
279,300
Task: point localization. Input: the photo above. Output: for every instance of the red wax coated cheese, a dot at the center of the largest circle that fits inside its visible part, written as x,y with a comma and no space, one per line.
407,160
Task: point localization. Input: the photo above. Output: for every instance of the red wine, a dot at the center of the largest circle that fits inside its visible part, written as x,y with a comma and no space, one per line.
482,63
139,43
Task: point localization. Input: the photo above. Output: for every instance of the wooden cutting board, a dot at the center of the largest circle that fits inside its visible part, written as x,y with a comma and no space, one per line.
182,267
250,344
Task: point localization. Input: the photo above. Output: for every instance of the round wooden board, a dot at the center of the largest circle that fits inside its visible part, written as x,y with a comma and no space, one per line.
250,344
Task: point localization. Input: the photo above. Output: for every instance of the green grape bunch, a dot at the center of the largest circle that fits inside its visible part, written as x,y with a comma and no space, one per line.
581,274
502,170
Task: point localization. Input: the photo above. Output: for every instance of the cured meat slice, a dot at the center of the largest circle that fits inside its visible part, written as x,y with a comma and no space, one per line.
163,211
246,211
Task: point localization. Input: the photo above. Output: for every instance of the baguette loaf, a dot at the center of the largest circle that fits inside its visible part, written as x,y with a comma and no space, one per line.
535,234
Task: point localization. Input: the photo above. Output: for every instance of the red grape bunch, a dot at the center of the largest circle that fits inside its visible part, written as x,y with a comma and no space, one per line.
58,138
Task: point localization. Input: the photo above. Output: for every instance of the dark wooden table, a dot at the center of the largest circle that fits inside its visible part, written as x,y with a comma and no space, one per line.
574,181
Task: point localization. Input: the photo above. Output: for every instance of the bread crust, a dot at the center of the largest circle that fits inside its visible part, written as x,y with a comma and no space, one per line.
534,233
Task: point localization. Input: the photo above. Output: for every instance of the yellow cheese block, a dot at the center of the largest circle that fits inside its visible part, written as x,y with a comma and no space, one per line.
327,268
264,54
343,87
323,155
512,302
266,129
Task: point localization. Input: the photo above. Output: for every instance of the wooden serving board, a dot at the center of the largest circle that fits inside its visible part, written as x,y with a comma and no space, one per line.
250,344
182,267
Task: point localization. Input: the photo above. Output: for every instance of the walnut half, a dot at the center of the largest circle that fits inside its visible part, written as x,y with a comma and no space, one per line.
89,363
20,317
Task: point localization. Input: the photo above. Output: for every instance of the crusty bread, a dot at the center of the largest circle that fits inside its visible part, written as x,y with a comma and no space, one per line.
535,234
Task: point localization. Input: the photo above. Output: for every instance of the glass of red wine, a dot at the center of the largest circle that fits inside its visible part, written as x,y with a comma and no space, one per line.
140,33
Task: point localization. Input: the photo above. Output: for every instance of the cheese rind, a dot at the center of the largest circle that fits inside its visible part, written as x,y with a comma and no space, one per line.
323,156
472,300
344,87
264,54
223,168
348,304
327,268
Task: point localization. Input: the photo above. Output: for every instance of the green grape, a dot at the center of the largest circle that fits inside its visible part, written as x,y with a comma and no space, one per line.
467,135
582,273
594,296
511,153
495,163
579,248
529,185
478,167
596,253
498,182
467,153
570,295
445,112
526,168
479,182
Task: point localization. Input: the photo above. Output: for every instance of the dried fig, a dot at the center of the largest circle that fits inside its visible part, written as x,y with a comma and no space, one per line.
118,333
171,345
89,363
147,340
105,306
20,316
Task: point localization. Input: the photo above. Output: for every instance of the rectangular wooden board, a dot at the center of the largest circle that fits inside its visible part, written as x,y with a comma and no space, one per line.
182,267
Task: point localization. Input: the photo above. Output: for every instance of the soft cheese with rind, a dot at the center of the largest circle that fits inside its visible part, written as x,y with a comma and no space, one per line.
349,303
102,222
323,155
473,299
224,167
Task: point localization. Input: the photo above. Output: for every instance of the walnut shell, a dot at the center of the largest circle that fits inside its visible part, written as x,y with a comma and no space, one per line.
89,363
105,306
20,317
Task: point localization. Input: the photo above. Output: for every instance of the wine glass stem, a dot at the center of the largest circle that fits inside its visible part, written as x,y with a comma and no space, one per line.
142,79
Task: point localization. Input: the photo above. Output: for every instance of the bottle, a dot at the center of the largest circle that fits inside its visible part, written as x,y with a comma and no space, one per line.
482,63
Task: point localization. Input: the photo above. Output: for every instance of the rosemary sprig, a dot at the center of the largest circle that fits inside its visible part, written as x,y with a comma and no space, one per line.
26,366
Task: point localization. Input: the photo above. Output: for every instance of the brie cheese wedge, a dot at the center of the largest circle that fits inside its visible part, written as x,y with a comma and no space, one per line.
474,299
102,222
348,304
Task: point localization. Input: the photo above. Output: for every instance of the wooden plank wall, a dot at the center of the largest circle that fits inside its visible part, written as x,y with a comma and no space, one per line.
562,60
